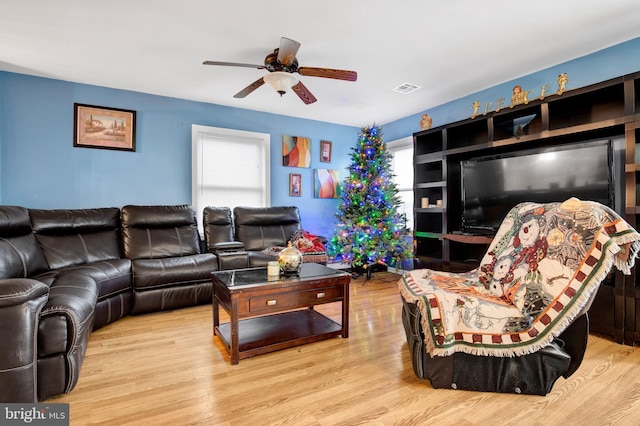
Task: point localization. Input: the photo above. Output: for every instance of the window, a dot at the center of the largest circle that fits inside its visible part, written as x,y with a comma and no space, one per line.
401,151
230,168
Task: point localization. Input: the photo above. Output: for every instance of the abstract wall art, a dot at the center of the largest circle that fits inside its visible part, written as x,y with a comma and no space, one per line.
326,183
296,151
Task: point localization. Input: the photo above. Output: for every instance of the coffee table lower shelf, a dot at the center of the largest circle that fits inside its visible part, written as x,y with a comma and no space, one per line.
259,335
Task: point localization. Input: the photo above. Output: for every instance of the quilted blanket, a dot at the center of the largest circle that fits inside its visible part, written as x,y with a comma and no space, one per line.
540,271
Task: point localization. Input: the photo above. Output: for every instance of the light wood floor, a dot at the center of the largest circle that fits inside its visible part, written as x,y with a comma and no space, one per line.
166,369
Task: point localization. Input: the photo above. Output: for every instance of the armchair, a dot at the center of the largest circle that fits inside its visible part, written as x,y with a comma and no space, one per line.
169,270
519,321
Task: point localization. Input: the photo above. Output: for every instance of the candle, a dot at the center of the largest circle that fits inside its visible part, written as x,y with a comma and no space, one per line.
273,269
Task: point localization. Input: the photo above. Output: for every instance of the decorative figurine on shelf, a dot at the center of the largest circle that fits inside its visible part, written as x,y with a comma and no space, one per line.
543,91
519,96
426,122
518,131
476,107
562,83
290,260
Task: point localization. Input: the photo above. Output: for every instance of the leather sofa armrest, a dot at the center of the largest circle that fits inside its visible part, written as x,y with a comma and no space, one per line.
228,246
16,291
231,255
21,301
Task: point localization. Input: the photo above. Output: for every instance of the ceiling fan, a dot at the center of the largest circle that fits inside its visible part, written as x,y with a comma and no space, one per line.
282,64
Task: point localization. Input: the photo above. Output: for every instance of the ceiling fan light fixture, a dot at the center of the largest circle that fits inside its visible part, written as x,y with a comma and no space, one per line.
281,81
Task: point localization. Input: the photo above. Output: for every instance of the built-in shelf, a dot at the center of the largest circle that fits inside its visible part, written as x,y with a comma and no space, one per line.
605,110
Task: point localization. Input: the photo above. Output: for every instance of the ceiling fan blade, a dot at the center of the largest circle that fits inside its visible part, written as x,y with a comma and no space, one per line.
304,93
250,88
287,50
328,73
233,64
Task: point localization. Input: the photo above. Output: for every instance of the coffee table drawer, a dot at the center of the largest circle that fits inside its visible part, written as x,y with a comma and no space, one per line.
278,302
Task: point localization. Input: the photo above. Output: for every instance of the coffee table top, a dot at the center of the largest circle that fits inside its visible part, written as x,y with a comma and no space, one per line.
258,276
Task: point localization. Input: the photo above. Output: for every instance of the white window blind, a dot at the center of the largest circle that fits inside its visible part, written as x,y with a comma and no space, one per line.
230,168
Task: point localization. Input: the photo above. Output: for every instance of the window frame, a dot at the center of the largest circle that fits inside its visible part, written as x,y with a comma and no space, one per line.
394,146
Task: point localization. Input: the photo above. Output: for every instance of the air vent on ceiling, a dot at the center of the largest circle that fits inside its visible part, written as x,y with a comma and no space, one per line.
406,88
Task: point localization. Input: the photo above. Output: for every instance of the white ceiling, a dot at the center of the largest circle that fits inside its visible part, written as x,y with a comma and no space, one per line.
450,48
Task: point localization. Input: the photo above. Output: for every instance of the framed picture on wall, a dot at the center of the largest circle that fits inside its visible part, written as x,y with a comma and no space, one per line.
325,151
104,127
295,185
296,151
326,183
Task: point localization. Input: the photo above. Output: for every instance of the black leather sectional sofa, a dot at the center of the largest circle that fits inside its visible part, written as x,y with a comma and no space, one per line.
65,273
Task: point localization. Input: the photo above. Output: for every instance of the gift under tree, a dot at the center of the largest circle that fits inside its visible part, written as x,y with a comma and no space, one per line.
370,230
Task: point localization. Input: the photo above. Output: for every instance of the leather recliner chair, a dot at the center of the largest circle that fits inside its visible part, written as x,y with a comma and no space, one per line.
262,227
169,269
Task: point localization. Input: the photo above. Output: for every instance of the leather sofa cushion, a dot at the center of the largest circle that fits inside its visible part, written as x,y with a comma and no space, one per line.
20,256
111,276
262,227
14,221
259,259
70,250
75,237
174,271
160,243
156,232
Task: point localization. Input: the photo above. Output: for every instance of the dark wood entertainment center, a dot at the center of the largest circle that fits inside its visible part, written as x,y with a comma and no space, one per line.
607,110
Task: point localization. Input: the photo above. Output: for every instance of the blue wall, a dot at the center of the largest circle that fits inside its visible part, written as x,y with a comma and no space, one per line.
40,168
603,65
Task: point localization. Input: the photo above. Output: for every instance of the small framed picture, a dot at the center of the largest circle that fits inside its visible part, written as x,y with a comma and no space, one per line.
295,185
325,151
104,127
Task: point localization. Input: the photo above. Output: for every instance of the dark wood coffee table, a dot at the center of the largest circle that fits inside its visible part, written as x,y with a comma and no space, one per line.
271,314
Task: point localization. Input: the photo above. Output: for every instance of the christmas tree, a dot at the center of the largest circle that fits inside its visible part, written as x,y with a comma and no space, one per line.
370,230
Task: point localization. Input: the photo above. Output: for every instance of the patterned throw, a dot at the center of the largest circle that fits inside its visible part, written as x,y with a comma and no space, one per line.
539,273
311,247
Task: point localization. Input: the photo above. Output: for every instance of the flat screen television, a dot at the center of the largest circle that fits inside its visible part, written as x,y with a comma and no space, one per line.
492,185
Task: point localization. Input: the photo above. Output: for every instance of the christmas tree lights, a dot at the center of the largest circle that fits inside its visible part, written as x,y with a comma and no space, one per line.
370,230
